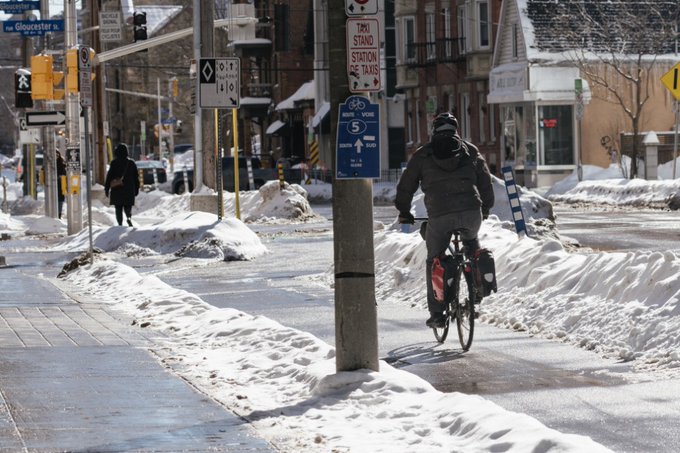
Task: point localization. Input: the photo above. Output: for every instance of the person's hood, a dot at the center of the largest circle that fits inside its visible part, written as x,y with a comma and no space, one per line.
121,152
448,150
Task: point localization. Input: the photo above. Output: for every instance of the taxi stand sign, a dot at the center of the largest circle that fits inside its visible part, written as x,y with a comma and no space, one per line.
358,139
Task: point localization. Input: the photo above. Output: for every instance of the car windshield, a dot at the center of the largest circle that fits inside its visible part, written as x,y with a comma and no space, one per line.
149,164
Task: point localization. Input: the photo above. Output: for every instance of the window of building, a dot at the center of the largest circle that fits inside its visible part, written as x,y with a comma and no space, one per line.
492,122
483,107
464,118
409,39
448,35
462,29
281,28
556,134
515,41
417,122
409,122
483,24
430,37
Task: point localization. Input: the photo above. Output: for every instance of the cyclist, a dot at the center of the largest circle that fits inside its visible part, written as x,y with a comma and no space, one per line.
458,194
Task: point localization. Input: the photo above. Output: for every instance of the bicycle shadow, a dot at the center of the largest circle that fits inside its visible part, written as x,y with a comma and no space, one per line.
423,353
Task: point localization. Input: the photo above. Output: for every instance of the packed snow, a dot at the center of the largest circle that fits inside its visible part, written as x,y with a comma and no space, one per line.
624,305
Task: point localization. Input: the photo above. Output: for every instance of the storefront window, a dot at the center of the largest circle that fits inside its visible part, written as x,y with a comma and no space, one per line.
556,134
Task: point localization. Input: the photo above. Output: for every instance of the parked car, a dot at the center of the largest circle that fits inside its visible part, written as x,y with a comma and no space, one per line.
260,175
148,167
183,148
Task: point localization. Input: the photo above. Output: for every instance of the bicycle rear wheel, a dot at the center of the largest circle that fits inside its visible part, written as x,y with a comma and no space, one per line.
464,308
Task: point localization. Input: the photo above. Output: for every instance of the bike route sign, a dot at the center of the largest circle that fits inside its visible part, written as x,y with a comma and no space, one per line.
358,140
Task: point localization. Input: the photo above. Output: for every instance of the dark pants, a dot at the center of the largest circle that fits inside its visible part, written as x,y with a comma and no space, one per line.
438,236
119,213
60,204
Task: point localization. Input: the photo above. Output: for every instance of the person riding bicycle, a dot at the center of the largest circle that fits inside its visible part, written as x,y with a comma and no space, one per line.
458,195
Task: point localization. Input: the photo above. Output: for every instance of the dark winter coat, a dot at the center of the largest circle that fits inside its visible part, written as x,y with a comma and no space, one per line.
452,180
61,171
125,195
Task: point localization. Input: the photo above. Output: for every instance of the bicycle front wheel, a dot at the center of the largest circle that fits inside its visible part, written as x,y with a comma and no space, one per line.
440,333
464,296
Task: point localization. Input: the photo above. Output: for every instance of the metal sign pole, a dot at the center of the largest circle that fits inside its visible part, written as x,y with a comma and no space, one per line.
88,178
675,137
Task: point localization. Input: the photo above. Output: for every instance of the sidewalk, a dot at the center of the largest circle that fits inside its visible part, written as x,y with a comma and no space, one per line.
75,378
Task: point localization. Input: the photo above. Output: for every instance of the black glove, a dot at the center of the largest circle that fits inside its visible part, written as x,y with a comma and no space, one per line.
406,217
485,214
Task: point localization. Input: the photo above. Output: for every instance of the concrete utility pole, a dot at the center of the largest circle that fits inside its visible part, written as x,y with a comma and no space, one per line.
72,107
49,154
203,124
356,327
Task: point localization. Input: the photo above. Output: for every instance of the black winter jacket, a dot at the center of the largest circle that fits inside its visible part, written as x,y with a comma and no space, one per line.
452,181
126,194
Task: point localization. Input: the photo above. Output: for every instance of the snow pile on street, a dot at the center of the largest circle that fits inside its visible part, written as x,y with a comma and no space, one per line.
193,234
271,203
284,382
607,186
622,305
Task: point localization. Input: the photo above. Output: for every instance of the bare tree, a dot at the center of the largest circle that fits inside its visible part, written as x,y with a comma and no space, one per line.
615,44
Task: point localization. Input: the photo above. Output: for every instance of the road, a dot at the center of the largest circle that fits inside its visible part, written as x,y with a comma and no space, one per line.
566,388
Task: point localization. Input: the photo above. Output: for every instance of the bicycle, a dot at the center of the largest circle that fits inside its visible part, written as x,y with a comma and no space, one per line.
460,305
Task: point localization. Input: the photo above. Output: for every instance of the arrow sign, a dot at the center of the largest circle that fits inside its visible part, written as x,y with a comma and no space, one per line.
358,139
45,118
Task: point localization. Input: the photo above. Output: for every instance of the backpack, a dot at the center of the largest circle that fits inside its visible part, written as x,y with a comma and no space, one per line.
443,269
484,272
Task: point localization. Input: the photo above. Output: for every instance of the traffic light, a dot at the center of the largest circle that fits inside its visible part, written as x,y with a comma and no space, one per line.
139,22
41,78
71,84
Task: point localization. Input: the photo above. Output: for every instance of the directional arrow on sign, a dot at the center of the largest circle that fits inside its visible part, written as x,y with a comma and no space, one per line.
45,118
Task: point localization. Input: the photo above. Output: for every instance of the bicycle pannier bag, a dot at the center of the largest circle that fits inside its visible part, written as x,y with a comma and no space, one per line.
442,277
484,271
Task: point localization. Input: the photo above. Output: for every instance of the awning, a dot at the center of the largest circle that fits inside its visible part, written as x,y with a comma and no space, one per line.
321,114
275,127
517,83
304,93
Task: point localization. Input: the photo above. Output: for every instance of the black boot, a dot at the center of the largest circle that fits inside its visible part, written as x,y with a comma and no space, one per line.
436,320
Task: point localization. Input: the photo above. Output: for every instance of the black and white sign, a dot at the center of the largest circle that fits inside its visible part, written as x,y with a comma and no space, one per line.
45,118
361,7
219,83
109,26
363,55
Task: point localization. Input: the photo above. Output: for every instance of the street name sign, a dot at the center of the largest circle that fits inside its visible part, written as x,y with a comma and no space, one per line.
32,27
45,118
109,26
358,140
363,55
19,7
219,84
361,7
671,80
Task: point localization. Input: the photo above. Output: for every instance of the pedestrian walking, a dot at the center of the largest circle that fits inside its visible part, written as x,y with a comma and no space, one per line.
122,184
61,186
